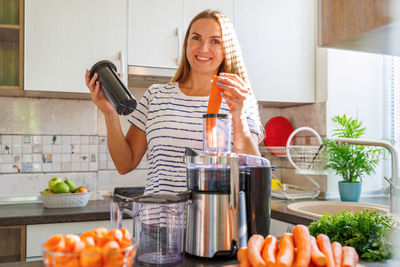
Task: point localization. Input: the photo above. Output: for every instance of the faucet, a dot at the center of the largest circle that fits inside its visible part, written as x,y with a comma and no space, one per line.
395,180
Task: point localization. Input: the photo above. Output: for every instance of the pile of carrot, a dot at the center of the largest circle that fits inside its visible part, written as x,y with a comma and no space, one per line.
298,249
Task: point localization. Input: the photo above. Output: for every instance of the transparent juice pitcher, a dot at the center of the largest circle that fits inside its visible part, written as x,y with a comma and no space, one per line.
159,223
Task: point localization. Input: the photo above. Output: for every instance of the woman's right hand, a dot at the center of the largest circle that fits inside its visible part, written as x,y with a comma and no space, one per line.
97,95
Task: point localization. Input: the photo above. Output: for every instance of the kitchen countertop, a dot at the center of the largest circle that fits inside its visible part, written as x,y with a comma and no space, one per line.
190,261
24,214
36,213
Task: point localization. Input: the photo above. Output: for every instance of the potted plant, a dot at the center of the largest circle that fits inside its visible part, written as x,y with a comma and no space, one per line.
351,162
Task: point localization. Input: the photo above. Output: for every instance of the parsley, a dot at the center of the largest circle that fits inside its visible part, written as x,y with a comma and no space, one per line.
367,231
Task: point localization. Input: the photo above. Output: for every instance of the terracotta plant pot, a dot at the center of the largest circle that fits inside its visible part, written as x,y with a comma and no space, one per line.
349,191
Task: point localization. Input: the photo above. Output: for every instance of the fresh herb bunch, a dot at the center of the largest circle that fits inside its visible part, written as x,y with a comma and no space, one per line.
351,162
367,231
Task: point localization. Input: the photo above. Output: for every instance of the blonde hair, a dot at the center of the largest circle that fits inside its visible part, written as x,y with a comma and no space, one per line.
233,60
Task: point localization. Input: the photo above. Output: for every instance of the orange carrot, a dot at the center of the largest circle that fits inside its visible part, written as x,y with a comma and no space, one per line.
269,250
215,99
311,264
349,257
285,255
302,242
337,252
243,258
324,245
317,256
254,248
214,104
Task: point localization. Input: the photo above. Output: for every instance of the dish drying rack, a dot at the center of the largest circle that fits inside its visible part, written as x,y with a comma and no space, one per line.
307,160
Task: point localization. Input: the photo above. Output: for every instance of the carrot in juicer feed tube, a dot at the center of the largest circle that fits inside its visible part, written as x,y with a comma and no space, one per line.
214,103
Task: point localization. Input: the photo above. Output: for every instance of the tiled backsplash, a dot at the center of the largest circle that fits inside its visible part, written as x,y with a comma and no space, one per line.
54,153
41,138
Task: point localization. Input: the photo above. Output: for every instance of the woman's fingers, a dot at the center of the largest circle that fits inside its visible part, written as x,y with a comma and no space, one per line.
92,82
234,77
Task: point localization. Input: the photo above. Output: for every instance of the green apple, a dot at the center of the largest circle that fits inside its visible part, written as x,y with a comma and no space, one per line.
46,191
53,181
71,184
61,188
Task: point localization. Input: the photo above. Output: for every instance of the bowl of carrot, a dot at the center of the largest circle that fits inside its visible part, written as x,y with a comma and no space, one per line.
97,247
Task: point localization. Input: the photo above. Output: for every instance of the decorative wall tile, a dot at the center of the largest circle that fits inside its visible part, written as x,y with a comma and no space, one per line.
84,140
66,140
84,149
6,158
26,167
56,157
37,158
65,157
16,139
36,140
66,149
27,158
75,139
47,140
93,140
46,149
46,168
26,148
56,166
56,148
37,148
65,166
16,148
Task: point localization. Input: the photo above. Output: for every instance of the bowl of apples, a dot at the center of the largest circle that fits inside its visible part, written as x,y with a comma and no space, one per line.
64,194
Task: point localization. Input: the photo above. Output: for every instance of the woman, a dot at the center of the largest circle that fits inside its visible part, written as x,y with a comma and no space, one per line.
169,117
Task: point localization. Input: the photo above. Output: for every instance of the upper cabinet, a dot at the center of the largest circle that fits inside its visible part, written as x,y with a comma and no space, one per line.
278,45
156,34
63,38
361,25
11,43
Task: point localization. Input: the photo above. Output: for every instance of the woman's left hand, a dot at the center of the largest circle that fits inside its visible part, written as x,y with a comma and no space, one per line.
235,92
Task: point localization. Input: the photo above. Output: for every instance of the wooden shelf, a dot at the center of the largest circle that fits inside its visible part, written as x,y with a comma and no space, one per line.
9,26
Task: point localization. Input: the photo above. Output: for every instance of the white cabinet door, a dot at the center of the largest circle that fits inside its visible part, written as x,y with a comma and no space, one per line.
37,234
278,45
63,38
193,7
153,33
157,29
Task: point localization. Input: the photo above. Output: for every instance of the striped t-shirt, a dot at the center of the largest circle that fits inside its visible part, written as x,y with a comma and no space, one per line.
173,121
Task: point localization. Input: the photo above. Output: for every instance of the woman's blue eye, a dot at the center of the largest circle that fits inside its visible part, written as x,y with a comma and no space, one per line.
195,38
215,41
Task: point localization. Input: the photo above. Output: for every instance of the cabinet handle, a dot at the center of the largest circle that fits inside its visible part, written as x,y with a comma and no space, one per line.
123,65
178,57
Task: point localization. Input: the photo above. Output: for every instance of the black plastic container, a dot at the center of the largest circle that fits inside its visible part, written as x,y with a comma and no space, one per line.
122,100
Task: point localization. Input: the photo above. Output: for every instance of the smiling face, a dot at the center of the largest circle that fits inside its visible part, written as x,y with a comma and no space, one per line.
204,47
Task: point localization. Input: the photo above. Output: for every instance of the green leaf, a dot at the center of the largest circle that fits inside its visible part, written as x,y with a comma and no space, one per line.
351,162
367,231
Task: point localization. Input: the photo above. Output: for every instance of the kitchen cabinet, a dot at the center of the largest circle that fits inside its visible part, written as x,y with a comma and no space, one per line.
64,38
278,47
37,234
156,34
361,25
278,228
12,243
11,44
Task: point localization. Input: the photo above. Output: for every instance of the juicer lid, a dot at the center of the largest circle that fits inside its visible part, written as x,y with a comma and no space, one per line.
101,64
160,198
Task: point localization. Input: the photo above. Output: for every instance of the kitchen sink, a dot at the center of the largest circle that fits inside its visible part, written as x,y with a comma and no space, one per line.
315,209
